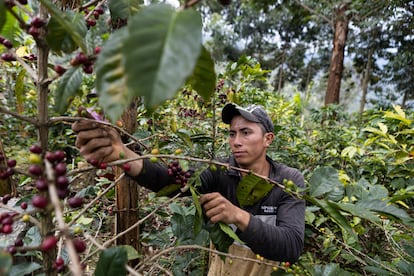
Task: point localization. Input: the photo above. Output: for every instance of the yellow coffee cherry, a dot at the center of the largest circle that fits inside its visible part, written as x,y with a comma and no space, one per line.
155,151
35,158
25,218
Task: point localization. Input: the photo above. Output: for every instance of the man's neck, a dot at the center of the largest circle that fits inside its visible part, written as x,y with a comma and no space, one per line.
262,168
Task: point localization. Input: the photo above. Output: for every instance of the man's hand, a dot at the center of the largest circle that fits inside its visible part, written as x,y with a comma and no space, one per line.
218,208
97,142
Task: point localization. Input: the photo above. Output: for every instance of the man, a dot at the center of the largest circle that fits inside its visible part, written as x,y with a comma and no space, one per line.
272,228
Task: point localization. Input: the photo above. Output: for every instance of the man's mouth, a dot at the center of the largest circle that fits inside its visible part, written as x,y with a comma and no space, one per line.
239,153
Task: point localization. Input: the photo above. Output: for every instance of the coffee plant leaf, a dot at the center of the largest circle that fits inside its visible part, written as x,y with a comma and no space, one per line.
168,190
198,219
203,79
384,208
2,14
330,269
123,9
161,51
356,210
220,239
9,26
59,39
227,229
182,227
24,269
19,90
112,261
6,262
251,189
334,213
111,86
323,181
67,88
66,23
132,253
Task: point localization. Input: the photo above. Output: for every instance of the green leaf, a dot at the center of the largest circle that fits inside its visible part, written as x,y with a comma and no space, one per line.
19,88
323,181
198,220
6,259
2,14
24,269
66,23
114,95
220,239
203,79
182,226
67,88
131,252
168,190
123,9
333,211
383,208
400,115
59,39
161,51
10,28
251,189
358,211
227,229
111,262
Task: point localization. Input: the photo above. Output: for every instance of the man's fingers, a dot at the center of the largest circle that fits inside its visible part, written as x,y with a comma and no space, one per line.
83,125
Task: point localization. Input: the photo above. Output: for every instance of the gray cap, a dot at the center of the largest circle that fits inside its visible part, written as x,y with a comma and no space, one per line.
253,113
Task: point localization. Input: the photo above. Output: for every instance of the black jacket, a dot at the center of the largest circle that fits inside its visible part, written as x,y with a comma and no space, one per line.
277,221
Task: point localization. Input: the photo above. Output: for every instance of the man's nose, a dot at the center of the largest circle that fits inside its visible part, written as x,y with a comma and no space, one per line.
236,140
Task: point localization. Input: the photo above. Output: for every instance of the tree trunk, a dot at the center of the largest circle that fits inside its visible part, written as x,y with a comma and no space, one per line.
127,191
404,100
281,70
365,81
42,87
337,59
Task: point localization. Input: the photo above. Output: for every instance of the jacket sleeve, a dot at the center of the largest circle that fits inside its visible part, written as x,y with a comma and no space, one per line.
283,241
153,176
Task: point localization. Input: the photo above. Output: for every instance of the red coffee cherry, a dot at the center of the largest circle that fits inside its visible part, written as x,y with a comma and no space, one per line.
35,170
48,243
39,201
75,202
35,149
80,245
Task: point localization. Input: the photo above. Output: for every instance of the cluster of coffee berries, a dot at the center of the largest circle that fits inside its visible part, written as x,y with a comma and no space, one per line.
83,60
36,169
35,24
175,170
6,170
96,12
12,248
187,112
6,222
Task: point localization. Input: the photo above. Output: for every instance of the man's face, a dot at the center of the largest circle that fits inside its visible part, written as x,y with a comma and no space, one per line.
248,142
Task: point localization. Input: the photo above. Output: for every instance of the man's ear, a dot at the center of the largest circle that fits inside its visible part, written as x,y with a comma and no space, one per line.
269,138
